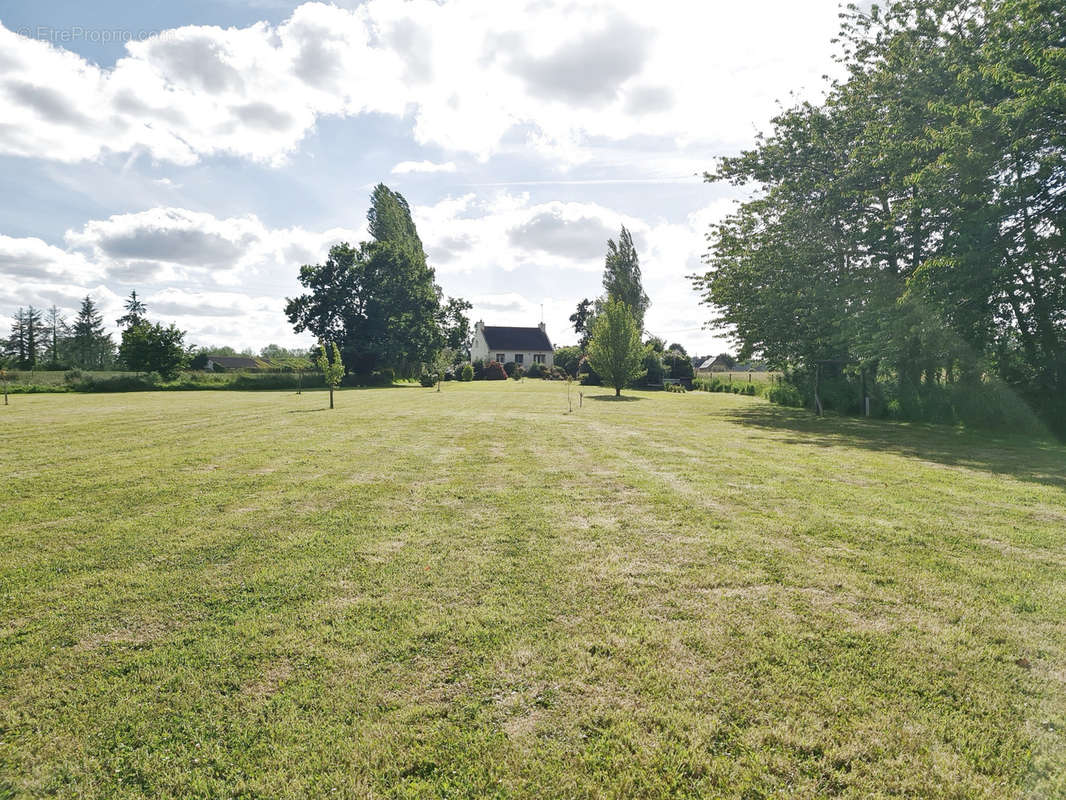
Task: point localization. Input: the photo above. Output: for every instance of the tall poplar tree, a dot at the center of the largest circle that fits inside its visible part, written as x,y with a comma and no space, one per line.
621,276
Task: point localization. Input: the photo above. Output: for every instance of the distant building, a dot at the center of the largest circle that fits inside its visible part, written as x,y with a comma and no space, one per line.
523,346
233,362
722,363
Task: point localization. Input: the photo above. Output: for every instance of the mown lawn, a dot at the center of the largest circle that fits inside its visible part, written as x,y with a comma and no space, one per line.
473,593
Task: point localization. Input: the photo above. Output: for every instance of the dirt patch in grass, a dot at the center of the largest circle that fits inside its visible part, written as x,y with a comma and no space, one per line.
269,680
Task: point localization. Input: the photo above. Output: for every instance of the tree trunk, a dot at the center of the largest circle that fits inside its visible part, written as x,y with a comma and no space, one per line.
617,391
331,397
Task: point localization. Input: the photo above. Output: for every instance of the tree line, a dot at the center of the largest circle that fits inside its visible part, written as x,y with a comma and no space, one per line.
49,342
909,232
46,340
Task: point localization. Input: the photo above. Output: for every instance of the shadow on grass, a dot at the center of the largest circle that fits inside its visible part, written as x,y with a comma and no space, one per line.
612,398
307,410
1023,457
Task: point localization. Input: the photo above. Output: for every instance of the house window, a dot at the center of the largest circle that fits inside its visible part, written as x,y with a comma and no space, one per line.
518,358
538,358
501,357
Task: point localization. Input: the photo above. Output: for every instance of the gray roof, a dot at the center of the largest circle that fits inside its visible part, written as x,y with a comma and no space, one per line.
516,339
235,362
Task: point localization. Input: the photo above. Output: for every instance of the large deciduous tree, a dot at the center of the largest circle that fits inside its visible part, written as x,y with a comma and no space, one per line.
379,300
914,221
150,347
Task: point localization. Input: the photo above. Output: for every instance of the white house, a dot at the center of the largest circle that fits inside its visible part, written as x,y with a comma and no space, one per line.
523,346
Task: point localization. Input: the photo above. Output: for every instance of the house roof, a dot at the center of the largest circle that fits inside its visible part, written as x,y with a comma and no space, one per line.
504,338
235,362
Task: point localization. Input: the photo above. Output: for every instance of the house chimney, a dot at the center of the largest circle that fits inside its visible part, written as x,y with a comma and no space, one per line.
541,326
479,325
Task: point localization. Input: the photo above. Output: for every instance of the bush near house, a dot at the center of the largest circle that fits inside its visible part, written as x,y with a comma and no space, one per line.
494,371
467,373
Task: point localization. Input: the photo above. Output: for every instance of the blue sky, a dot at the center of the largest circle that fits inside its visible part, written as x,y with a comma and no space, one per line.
200,152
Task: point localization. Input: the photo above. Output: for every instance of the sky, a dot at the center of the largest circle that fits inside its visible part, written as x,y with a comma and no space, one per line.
200,152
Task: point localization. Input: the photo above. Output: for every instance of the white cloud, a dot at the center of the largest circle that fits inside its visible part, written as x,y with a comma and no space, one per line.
510,257
225,279
472,75
405,167
30,259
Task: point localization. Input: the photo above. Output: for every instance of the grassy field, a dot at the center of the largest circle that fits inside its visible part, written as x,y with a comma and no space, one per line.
474,593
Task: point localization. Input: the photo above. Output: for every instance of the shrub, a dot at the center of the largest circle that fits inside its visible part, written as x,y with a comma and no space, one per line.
427,380
678,364
119,383
517,373
509,368
494,371
653,367
589,376
785,394
537,371
567,359
675,387
467,373
479,370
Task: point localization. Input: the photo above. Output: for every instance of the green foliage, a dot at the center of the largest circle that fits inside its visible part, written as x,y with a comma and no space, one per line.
90,346
621,277
494,371
678,364
654,372
148,347
455,324
380,300
135,312
25,346
467,373
914,221
614,349
426,380
580,319
567,358
277,354
330,364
